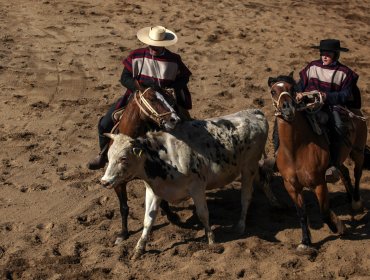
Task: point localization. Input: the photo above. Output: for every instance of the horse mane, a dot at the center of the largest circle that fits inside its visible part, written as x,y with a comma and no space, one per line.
288,79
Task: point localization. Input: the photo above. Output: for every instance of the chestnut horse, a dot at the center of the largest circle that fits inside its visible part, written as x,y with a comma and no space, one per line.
147,110
303,157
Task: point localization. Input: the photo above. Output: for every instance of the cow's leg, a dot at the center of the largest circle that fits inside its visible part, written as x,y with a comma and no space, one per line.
171,216
151,210
328,216
246,196
121,192
199,197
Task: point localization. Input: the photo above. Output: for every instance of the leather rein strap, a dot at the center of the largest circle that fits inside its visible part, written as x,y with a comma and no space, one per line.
147,109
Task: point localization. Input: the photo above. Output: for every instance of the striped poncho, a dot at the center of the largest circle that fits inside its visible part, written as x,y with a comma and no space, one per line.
337,80
164,70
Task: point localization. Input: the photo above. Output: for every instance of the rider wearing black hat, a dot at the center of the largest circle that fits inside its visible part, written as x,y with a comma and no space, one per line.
337,84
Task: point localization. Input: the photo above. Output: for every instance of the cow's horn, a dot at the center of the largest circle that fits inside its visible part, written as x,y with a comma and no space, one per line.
110,135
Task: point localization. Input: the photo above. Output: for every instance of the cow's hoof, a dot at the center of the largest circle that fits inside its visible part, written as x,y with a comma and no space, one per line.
211,238
119,240
341,227
306,250
137,254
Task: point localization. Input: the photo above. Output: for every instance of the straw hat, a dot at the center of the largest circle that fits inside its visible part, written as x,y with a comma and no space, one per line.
157,36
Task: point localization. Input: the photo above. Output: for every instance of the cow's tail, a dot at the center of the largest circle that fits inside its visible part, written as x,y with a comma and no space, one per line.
265,174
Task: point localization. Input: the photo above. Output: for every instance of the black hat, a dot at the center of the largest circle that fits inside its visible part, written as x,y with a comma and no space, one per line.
330,45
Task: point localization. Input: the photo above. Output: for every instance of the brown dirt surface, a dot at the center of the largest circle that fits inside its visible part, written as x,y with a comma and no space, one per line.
60,64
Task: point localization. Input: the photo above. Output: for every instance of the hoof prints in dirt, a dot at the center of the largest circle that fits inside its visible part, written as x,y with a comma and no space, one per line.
34,187
63,267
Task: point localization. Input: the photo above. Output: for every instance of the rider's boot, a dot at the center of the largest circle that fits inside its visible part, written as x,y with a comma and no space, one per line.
99,161
332,174
339,138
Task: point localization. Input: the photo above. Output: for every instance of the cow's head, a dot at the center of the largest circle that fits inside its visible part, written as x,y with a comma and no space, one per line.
125,156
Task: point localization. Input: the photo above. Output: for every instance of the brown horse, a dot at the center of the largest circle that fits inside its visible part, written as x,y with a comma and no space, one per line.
147,110
303,157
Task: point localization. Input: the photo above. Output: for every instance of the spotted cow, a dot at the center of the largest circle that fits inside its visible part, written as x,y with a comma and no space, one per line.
197,155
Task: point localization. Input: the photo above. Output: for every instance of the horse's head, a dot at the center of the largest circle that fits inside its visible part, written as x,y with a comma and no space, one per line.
283,90
158,106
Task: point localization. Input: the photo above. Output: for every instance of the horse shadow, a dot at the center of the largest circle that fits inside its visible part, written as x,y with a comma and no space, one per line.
265,221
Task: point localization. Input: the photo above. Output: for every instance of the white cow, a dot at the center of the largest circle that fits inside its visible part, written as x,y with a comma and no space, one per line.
183,163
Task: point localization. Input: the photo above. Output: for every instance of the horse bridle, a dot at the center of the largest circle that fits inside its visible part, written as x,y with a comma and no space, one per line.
275,103
312,108
148,110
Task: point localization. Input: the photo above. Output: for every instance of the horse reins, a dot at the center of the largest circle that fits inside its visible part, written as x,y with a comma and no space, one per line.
307,106
152,114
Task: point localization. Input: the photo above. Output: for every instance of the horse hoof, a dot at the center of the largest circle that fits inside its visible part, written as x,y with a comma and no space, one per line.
306,250
357,206
121,238
239,228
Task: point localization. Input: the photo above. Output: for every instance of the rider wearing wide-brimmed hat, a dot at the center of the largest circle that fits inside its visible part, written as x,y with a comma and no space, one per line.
337,84
153,66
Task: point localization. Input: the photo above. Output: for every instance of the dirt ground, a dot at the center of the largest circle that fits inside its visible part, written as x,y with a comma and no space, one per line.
60,64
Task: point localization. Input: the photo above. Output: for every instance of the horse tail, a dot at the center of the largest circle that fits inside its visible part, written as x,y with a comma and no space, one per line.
366,164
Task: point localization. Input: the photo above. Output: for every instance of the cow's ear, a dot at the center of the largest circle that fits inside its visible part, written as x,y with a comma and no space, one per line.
291,74
137,147
271,81
137,151
110,135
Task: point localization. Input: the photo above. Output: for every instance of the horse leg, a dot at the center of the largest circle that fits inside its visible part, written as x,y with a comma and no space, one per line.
358,158
306,246
121,192
353,193
346,179
328,216
171,216
356,198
